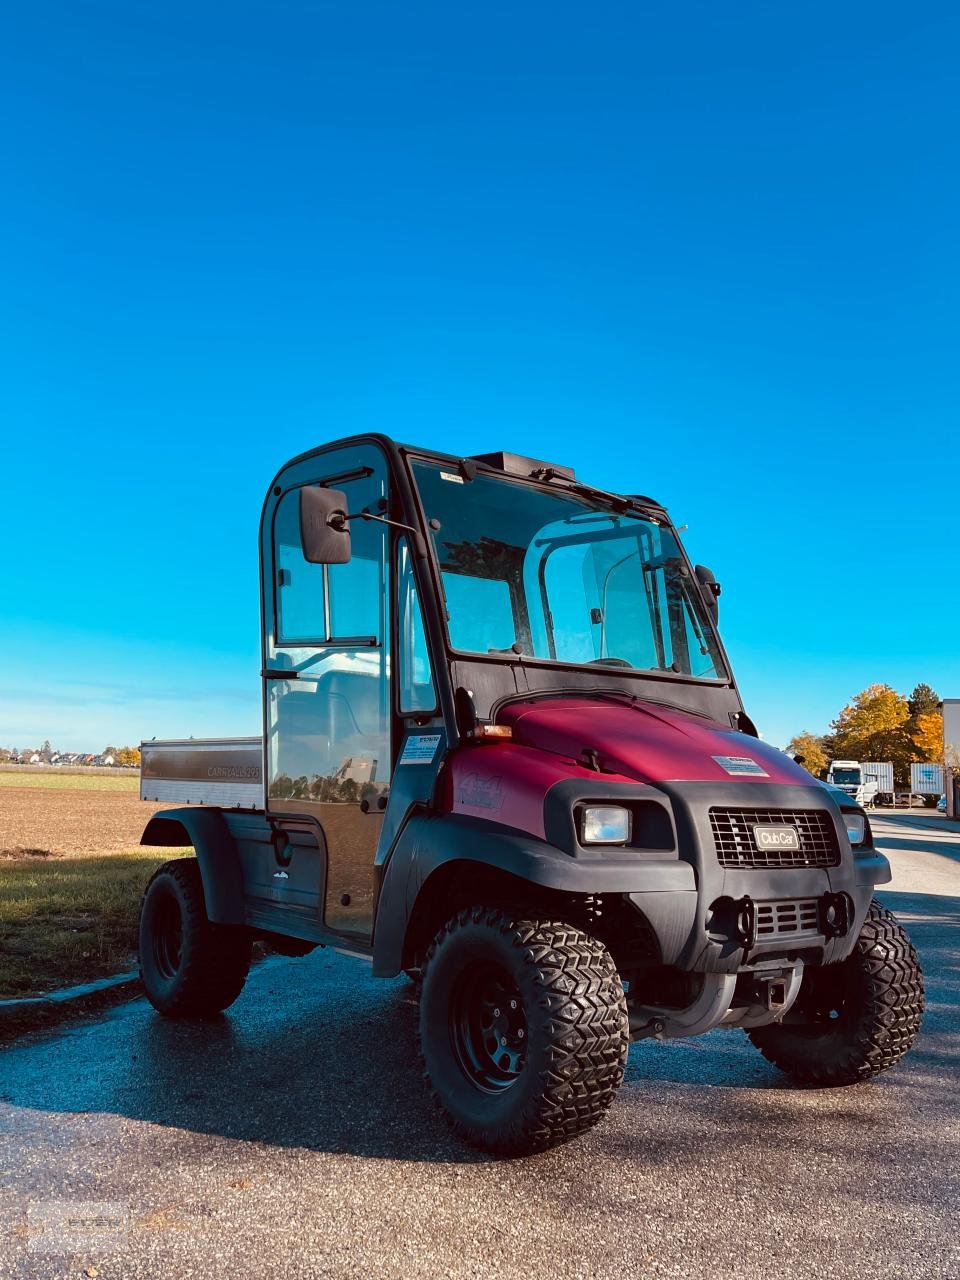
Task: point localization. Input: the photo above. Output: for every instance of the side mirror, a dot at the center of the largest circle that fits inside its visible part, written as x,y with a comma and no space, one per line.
324,530
710,588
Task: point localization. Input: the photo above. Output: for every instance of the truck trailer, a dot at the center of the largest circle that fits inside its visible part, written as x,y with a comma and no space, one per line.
504,753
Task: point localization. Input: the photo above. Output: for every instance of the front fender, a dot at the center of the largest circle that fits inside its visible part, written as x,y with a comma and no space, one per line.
427,842
217,855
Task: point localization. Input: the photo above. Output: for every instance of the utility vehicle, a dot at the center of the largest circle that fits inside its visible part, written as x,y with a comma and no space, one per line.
504,752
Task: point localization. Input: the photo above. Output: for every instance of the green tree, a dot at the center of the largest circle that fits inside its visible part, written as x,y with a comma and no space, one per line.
810,747
923,701
897,746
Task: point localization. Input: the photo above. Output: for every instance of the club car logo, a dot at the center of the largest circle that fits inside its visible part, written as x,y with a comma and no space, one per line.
770,837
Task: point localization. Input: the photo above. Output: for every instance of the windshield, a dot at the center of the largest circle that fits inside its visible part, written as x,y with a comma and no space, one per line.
554,576
848,777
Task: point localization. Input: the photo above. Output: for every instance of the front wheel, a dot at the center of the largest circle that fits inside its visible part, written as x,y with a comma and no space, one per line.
523,1030
854,1019
189,966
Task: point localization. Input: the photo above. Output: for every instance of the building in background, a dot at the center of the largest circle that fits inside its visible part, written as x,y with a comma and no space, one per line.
951,754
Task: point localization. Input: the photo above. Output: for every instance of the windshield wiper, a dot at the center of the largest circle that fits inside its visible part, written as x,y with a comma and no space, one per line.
625,505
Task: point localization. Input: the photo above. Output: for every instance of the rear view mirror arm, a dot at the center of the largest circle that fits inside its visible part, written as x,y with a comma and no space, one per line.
339,520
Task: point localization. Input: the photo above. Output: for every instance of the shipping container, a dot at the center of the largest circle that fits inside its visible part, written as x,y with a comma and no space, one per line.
926,779
880,772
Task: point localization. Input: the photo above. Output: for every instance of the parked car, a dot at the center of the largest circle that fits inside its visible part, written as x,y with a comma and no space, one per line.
942,805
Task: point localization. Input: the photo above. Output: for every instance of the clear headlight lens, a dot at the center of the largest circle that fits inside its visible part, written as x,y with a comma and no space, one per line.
606,824
856,827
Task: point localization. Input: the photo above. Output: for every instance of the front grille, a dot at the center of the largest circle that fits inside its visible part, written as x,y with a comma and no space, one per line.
777,918
736,847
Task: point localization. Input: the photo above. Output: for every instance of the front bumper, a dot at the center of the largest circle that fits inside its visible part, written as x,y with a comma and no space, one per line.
731,918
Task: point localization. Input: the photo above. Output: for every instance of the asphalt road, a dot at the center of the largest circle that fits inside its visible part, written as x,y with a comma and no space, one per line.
292,1137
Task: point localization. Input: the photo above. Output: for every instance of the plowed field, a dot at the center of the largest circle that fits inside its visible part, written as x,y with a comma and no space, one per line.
63,820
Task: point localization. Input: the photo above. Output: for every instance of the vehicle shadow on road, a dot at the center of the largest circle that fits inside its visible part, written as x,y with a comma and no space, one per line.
318,1056
912,844
314,1054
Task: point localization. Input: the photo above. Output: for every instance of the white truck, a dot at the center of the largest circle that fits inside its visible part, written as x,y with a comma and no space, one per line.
861,780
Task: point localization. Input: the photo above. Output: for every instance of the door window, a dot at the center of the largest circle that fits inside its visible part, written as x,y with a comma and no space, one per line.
318,603
301,598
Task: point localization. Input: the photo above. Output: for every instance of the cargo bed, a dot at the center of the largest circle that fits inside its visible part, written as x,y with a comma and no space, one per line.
226,772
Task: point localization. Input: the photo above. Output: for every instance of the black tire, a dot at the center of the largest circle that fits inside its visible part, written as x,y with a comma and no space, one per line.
854,1019
189,967
523,1030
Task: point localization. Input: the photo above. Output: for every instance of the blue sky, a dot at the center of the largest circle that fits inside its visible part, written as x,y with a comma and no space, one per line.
706,252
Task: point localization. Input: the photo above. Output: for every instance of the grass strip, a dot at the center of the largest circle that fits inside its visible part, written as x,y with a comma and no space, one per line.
65,921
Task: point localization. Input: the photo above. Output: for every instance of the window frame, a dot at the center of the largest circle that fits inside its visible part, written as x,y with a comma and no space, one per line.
425,713
416,457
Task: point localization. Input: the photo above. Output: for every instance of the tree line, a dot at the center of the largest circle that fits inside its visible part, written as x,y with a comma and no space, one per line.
52,755
878,724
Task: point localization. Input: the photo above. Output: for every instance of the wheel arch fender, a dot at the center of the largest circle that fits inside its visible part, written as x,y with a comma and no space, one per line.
432,849
217,855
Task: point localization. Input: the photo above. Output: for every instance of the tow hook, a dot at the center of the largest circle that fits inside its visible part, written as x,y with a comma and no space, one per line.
746,922
835,915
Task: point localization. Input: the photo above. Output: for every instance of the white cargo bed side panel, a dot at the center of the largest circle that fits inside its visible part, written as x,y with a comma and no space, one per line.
225,772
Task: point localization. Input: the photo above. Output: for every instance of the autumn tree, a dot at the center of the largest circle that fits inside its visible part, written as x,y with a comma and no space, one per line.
127,755
877,709
876,726
810,747
928,735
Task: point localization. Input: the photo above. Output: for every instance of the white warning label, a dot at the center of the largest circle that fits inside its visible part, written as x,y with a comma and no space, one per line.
741,766
420,748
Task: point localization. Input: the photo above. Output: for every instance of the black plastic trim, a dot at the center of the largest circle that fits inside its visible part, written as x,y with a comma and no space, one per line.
428,842
220,869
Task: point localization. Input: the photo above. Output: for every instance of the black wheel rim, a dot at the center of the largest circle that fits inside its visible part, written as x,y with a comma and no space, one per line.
489,1027
167,936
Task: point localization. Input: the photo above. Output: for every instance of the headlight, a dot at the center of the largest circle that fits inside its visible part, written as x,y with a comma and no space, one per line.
856,825
605,824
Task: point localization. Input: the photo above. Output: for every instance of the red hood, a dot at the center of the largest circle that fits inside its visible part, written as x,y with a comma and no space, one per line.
648,742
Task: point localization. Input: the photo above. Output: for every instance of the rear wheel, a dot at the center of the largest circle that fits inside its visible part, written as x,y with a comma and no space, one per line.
854,1019
523,1030
189,966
